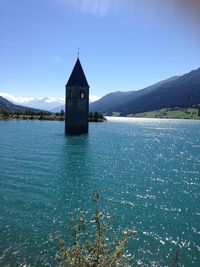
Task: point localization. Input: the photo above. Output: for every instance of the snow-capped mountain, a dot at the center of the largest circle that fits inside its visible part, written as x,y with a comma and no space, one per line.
54,104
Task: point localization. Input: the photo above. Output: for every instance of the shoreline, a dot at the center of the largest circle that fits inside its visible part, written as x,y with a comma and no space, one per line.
107,118
45,118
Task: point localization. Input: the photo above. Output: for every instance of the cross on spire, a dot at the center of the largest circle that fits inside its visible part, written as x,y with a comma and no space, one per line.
78,52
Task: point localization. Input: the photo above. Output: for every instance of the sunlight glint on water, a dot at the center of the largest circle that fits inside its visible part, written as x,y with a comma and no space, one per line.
147,171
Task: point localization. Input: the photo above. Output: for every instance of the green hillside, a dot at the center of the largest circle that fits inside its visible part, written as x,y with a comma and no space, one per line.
170,113
182,91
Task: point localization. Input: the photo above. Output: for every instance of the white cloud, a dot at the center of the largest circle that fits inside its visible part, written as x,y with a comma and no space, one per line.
94,98
46,103
104,7
96,7
16,99
49,99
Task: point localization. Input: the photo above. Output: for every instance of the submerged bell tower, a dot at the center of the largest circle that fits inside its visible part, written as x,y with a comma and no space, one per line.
77,102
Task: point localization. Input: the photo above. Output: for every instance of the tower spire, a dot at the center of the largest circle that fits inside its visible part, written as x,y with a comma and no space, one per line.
77,77
77,101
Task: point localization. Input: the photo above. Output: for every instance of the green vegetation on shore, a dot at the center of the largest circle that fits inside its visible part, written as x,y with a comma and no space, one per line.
29,115
170,113
166,113
96,117
59,116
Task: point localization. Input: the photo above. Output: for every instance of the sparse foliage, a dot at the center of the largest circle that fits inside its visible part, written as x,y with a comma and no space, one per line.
95,248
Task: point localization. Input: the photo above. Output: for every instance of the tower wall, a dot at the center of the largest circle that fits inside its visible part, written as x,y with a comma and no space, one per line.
76,110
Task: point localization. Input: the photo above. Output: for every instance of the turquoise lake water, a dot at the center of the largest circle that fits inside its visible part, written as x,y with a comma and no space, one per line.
146,170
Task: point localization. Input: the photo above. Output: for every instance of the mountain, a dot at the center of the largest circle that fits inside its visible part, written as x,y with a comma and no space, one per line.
92,98
43,103
182,92
6,105
47,103
178,91
52,104
111,102
58,109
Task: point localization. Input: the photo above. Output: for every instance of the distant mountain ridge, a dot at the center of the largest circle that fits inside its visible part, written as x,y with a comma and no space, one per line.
110,102
52,104
182,92
42,103
6,105
178,91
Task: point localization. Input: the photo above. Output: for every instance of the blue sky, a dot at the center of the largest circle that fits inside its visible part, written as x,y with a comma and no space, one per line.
124,44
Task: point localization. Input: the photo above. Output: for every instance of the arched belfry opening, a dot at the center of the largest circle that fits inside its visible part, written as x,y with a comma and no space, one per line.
77,102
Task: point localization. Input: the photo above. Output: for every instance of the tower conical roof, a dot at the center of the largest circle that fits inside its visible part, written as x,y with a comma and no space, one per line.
77,77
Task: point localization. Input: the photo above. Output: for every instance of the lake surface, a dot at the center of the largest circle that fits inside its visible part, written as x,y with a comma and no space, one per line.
146,170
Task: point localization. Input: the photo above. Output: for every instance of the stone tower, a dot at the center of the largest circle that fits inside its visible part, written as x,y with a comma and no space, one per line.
77,102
